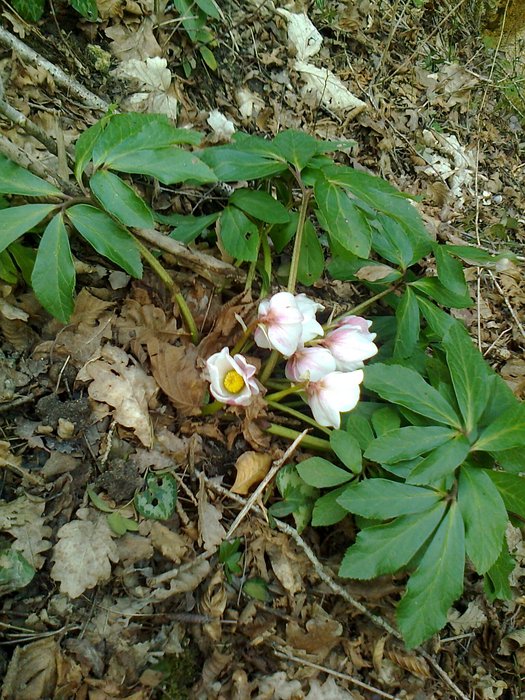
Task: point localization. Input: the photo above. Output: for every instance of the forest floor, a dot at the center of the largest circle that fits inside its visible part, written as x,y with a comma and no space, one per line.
154,613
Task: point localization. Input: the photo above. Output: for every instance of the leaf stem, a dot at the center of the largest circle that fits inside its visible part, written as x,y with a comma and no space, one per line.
278,395
164,276
365,304
269,366
294,265
284,408
313,443
212,408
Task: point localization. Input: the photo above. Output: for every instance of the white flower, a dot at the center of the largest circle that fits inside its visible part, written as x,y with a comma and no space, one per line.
231,378
310,364
311,327
280,324
351,343
333,394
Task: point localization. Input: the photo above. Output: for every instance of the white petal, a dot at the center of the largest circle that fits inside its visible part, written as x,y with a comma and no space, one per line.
310,364
323,413
285,339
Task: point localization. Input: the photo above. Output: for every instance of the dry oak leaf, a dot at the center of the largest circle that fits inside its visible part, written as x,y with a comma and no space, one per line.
117,381
170,544
175,371
251,468
22,518
32,671
83,553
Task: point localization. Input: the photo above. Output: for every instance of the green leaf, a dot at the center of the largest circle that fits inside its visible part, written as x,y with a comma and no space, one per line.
260,205
208,57
407,388
496,582
504,433
128,134
85,143
121,200
384,549
299,497
230,164
169,165
345,222
188,227
15,571
441,462
24,258
346,447
391,242
408,325
380,499
474,255
385,420
16,221
311,257
8,271
107,237
53,277
281,235
436,584
87,8
210,8
484,515
327,510
239,235
296,146
439,321
158,500
511,488
256,588
433,288
407,443
470,375
321,473
191,17
17,180
359,427
450,271
30,10
120,525
99,502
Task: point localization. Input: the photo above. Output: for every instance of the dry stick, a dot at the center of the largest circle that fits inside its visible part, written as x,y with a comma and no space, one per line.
260,488
330,671
332,584
74,87
507,303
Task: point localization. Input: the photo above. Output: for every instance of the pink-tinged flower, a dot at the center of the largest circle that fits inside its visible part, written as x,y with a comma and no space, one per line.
280,324
351,343
311,327
332,395
231,379
310,364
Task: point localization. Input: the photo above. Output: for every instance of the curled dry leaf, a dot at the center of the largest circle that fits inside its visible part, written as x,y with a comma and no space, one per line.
374,273
251,468
211,532
175,371
32,671
170,544
119,382
83,553
22,518
321,636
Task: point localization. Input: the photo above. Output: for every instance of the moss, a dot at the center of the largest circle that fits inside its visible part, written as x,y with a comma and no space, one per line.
180,672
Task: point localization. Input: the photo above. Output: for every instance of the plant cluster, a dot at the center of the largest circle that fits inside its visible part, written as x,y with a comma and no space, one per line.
428,462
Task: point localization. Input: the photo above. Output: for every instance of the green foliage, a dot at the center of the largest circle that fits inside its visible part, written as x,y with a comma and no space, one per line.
33,10
15,571
157,501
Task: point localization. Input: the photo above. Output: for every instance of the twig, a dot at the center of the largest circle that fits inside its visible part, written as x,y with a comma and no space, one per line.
260,488
508,304
333,585
344,676
64,80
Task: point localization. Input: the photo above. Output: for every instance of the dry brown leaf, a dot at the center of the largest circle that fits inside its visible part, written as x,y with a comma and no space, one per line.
211,532
473,618
373,273
213,604
32,671
133,548
285,564
22,518
321,636
188,579
170,544
227,328
119,382
138,323
251,468
88,308
416,665
133,42
83,553
175,371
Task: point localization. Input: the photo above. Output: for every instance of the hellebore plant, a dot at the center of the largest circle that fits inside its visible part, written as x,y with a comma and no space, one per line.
327,374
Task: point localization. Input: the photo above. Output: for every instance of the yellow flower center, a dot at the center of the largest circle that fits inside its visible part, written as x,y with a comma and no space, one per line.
233,382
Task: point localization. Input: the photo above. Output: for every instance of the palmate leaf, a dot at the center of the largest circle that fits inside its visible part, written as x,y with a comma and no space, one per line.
436,583
407,388
17,180
484,534
505,432
408,325
391,242
511,488
327,510
380,499
188,227
441,462
16,221
385,420
433,288
260,205
85,144
53,278
296,146
347,448
384,549
238,234
469,373
107,237
450,271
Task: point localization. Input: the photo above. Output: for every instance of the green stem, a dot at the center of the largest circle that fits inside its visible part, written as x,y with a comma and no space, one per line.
269,366
284,408
294,265
211,408
361,307
164,276
313,443
285,392
267,263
